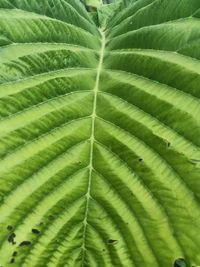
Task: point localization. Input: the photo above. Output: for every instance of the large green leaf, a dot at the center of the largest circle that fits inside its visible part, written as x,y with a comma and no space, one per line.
100,134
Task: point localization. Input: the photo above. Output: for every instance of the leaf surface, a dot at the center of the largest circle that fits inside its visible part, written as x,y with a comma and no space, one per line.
99,134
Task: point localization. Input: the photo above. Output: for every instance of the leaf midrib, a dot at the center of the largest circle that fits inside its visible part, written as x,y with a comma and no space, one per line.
92,140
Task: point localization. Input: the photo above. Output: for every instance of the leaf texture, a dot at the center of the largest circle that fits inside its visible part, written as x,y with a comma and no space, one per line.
99,134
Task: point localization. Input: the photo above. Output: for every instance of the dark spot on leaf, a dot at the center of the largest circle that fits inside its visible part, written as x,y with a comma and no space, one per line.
103,249
14,254
168,144
25,243
11,238
12,260
112,241
180,263
35,231
9,227
140,160
51,217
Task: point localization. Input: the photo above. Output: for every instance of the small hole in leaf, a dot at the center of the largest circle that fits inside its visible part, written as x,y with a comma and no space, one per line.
180,263
112,241
25,243
9,227
168,144
11,238
140,160
14,254
35,231
12,260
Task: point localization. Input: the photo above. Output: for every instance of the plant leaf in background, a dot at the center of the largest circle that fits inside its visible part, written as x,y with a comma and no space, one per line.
99,134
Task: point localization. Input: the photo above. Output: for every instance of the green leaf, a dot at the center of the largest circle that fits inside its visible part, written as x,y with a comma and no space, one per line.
99,134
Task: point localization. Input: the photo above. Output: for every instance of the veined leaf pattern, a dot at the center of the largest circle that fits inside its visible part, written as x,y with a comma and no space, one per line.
99,134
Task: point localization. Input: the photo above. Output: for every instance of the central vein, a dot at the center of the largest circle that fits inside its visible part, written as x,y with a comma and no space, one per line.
92,139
